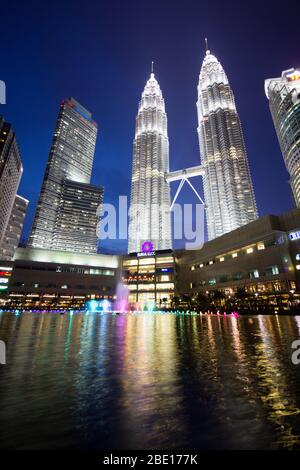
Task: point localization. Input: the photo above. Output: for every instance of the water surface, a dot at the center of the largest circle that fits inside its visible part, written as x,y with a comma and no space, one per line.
149,381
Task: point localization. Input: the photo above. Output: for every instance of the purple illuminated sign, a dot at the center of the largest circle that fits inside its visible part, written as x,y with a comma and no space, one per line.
147,247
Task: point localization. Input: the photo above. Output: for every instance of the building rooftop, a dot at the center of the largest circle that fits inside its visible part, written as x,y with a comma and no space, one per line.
51,256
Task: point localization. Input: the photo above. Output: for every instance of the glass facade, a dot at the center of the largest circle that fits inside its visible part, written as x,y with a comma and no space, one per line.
150,218
150,279
284,100
10,175
76,221
70,160
14,228
228,189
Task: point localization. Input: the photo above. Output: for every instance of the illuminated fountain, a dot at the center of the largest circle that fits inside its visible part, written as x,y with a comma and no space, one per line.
98,306
121,302
151,306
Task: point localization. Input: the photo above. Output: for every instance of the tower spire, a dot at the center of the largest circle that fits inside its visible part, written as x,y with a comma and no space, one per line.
152,64
206,46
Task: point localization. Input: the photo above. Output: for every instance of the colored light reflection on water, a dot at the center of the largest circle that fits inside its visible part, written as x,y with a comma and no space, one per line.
149,381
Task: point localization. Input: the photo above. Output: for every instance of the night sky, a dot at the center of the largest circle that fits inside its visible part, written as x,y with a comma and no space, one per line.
100,53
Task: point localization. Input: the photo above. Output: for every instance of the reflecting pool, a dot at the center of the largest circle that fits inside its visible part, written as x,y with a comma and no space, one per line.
149,381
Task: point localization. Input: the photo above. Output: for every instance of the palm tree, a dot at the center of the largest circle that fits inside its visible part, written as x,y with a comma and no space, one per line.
187,301
202,301
218,296
175,302
241,293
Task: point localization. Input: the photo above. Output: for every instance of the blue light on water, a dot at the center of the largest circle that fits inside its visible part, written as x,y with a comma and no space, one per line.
96,306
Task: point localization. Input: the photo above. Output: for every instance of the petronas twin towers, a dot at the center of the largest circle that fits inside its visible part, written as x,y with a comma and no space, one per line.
150,217
228,189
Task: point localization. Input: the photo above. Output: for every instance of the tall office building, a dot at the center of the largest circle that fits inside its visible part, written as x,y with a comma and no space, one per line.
150,218
14,228
77,215
284,99
71,158
228,190
10,174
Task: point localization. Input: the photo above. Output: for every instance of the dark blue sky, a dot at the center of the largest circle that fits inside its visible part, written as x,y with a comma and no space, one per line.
100,52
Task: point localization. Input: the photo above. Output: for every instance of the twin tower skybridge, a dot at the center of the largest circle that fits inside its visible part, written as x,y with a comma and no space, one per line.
183,176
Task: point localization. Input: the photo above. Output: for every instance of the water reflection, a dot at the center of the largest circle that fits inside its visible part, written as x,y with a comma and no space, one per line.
149,381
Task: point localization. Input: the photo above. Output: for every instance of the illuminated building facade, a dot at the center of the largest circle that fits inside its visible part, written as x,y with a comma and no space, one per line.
10,174
70,159
150,217
5,275
150,278
284,100
48,279
228,190
262,258
77,215
14,228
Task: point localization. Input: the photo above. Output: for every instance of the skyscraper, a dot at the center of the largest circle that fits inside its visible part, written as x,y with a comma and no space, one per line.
77,215
228,190
284,99
150,218
71,158
14,228
10,173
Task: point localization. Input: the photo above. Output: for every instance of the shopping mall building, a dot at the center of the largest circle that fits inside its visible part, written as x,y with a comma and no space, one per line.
150,278
48,279
262,258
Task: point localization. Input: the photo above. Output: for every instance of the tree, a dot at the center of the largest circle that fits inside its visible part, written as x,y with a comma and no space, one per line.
241,293
175,302
187,301
202,301
218,296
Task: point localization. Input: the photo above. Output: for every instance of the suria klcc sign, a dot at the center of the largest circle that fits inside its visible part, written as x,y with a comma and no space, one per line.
147,249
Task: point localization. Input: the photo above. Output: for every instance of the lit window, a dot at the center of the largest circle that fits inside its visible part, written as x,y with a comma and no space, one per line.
254,274
168,259
131,287
272,271
298,267
261,246
146,287
164,278
249,250
192,268
211,262
146,261
132,262
165,286
234,255
201,265
222,259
